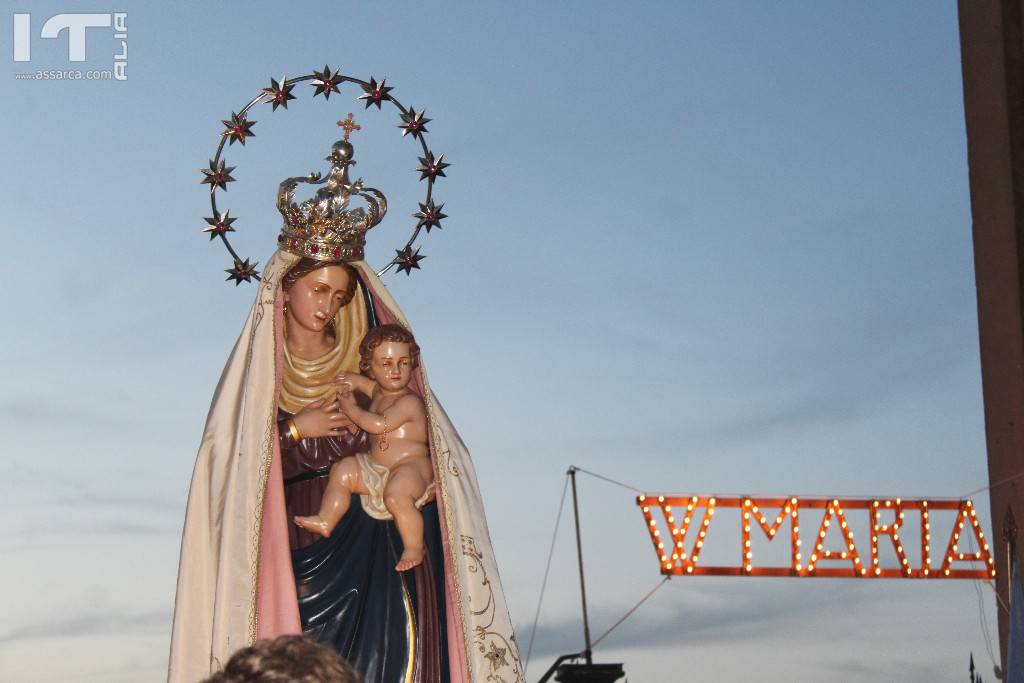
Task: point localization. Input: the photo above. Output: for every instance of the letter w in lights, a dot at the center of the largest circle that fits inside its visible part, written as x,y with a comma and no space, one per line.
674,557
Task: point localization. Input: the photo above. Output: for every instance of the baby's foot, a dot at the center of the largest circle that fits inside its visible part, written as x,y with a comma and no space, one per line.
314,525
409,559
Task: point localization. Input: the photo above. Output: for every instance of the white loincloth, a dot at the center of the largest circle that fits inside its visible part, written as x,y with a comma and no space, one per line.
375,478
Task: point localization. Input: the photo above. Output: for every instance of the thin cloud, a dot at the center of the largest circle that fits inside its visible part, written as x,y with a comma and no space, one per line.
710,615
102,527
82,492
822,391
33,409
884,669
105,620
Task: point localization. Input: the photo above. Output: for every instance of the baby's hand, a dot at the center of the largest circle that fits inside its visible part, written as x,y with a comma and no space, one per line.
346,398
343,378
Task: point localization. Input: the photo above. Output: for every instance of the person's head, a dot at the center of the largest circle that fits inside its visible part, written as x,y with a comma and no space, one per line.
389,354
286,659
314,291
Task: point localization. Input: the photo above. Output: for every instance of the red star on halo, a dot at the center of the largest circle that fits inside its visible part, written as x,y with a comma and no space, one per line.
219,224
413,122
431,167
238,128
430,215
375,93
326,82
407,259
242,270
217,175
279,93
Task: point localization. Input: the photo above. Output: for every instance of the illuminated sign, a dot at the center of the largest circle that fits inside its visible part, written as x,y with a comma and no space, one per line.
680,537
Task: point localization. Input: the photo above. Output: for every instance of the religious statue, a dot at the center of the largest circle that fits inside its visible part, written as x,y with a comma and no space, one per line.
405,585
396,473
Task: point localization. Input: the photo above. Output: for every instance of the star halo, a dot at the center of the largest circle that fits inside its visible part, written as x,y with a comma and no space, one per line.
238,128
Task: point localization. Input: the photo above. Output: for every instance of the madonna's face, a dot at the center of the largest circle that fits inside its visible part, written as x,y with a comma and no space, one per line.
315,297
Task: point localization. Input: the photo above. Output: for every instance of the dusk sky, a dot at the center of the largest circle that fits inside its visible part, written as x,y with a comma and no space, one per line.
696,247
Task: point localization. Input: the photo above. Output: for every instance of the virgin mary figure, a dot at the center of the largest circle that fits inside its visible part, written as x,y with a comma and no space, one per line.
272,433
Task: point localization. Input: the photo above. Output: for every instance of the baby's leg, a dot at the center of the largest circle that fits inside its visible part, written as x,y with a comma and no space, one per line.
406,484
344,481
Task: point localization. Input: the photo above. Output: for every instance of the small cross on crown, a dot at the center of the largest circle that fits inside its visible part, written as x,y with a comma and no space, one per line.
349,124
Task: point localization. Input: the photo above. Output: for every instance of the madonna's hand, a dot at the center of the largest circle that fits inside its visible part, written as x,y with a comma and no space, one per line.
320,418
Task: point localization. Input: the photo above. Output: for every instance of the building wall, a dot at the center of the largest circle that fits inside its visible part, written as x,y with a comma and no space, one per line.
993,75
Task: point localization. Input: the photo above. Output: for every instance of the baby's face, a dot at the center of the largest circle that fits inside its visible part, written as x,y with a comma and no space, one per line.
392,365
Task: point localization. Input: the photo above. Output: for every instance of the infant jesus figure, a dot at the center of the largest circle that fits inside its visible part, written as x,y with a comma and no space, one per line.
396,475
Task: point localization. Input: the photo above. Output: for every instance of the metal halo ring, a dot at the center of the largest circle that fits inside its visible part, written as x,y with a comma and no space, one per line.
326,82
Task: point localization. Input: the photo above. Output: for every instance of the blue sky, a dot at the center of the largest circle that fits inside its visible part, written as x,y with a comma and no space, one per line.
696,247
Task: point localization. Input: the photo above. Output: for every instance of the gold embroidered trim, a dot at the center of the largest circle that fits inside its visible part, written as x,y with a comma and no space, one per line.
453,567
488,641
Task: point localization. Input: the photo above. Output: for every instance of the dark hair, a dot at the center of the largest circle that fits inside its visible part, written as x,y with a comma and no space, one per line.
286,659
305,266
379,335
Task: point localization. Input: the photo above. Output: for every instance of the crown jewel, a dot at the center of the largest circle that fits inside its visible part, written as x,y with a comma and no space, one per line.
325,227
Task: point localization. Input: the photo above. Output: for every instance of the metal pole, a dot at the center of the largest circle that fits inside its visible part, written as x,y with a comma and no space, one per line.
579,554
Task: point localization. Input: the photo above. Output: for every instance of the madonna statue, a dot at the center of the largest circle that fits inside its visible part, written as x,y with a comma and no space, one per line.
273,432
